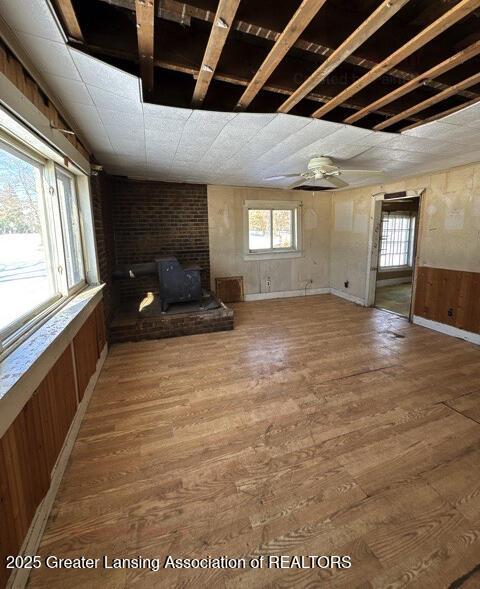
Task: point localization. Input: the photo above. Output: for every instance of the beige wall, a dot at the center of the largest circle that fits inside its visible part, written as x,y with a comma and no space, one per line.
226,227
449,226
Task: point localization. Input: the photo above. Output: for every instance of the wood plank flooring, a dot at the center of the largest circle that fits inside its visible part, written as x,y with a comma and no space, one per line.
316,427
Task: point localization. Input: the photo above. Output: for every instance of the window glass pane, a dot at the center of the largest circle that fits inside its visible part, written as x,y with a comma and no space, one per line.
282,229
70,229
26,276
395,246
259,229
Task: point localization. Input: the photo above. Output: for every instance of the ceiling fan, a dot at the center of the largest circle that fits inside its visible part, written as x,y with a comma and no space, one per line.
323,168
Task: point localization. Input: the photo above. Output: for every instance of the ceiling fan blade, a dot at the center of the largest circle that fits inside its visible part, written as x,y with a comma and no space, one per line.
295,184
370,172
282,176
336,181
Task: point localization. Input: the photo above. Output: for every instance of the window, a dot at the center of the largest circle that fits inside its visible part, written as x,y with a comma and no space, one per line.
41,258
396,245
272,228
70,228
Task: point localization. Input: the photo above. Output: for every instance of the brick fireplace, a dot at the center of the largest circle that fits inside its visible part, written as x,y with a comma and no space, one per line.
137,220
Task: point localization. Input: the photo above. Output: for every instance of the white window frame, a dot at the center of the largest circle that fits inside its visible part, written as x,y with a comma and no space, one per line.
274,253
409,265
16,332
80,285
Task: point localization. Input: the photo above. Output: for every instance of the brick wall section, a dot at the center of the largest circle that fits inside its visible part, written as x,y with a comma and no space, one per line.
152,218
104,235
164,326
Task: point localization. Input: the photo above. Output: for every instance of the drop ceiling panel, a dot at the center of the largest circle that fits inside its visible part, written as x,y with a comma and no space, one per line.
97,73
18,15
49,57
104,99
68,91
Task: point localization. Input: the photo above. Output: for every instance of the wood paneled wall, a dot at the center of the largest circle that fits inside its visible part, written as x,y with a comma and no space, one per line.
18,75
449,296
88,345
30,447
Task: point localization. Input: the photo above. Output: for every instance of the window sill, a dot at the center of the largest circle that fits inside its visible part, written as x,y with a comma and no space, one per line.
22,371
273,256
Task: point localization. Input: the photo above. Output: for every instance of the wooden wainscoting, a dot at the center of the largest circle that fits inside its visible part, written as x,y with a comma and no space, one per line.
451,297
30,447
88,345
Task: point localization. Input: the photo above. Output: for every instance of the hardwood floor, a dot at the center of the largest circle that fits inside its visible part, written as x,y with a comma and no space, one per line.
394,297
317,427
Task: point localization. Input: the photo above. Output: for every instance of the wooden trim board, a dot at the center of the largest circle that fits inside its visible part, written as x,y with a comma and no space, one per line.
19,577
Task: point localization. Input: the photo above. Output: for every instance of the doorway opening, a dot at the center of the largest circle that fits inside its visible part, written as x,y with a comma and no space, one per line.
397,247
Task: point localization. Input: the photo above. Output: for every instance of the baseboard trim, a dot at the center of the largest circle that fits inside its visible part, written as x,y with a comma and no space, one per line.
261,296
19,577
348,297
473,338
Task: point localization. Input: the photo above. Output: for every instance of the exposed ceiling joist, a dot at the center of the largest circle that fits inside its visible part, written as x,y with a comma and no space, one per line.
145,13
443,114
69,19
182,12
438,70
455,14
229,78
218,35
300,20
379,17
468,83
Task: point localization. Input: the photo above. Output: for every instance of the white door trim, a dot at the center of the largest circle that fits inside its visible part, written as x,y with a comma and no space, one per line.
374,238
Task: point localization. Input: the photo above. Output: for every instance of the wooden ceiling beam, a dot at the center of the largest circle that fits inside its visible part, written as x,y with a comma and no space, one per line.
183,12
69,19
221,26
468,83
437,70
300,20
236,80
379,17
145,13
452,16
442,115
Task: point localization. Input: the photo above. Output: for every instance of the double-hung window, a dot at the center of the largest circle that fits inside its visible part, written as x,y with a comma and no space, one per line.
41,253
272,228
397,239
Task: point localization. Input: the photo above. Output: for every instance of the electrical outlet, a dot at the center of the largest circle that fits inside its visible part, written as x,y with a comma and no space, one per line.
346,283
450,312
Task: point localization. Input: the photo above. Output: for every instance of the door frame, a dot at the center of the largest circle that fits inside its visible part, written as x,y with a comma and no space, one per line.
374,240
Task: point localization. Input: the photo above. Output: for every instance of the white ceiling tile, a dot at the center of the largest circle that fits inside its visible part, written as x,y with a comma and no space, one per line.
156,112
164,128
87,118
113,118
429,130
68,91
49,56
97,73
18,15
104,99
467,116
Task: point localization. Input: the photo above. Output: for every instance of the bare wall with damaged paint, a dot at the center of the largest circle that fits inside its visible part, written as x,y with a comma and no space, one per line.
226,231
449,231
